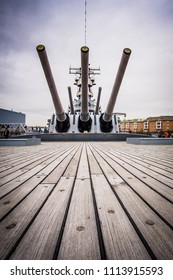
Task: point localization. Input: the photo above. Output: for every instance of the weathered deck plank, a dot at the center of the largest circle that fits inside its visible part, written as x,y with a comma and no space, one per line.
16,223
12,181
80,239
86,200
118,233
13,198
44,235
156,201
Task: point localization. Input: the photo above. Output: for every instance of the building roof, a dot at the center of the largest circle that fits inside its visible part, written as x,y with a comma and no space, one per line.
159,118
8,117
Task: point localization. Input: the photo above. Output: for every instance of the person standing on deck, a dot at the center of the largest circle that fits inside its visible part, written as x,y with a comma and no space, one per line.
166,134
6,133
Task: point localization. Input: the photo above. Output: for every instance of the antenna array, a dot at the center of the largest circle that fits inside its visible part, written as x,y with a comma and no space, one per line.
85,19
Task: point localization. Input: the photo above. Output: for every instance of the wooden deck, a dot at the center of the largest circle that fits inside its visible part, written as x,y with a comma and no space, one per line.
86,200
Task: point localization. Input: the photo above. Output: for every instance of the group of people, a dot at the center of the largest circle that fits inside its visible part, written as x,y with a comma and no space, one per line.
165,134
39,129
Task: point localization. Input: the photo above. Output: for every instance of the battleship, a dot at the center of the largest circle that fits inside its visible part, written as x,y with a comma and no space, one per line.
84,114
86,200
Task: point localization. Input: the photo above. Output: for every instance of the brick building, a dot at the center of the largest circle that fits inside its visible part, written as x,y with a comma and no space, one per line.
159,124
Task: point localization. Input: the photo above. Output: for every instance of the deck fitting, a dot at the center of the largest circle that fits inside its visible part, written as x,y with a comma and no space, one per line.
149,222
11,226
80,228
111,211
6,202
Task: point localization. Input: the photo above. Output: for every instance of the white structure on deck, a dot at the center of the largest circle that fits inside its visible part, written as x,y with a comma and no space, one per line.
14,121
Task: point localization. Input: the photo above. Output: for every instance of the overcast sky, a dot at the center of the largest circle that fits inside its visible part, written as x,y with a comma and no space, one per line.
145,26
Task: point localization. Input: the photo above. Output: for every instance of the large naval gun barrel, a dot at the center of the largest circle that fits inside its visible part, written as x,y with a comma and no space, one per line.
98,101
71,101
106,117
62,124
84,121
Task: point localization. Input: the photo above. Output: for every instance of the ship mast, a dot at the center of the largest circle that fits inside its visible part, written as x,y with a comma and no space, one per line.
78,80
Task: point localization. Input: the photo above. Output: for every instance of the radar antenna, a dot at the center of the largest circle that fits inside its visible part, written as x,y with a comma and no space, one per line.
85,20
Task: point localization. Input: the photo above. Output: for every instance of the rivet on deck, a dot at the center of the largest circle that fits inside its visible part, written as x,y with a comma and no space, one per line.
80,228
11,226
122,184
6,202
111,211
149,222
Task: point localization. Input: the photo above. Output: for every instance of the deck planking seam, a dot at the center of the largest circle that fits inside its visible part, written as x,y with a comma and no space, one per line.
145,163
24,177
141,236
26,228
80,223
121,206
120,193
35,160
147,170
102,248
140,162
140,195
148,246
147,153
60,236
10,238
34,217
17,156
150,181
10,197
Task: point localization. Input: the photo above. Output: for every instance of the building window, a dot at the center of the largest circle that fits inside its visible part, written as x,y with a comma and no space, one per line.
167,125
146,126
159,125
127,125
135,125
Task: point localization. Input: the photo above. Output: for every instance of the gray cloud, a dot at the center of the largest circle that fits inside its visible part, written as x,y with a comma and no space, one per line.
144,26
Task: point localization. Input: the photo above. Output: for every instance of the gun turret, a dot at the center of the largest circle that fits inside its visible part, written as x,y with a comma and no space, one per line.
84,113
84,121
106,117
62,124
